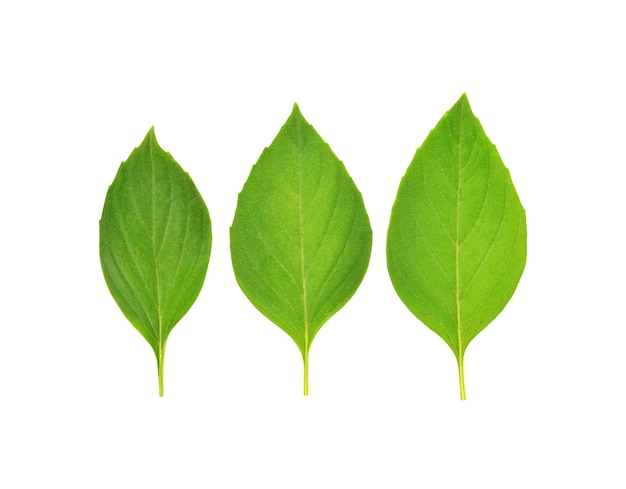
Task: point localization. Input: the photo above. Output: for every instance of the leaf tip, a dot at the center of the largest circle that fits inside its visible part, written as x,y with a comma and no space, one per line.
150,136
151,139
463,100
461,106
296,116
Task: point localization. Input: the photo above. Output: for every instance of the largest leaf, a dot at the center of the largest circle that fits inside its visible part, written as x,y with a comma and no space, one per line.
300,239
456,244
155,241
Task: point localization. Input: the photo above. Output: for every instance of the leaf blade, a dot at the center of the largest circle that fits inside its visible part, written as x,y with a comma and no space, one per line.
300,238
456,243
155,243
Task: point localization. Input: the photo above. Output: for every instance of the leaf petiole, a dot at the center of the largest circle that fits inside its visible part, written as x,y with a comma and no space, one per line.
461,377
160,361
306,374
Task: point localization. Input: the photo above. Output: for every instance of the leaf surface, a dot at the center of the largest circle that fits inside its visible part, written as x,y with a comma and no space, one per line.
301,238
155,242
456,244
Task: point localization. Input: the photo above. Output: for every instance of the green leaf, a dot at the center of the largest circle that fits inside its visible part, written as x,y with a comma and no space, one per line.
301,238
456,244
155,241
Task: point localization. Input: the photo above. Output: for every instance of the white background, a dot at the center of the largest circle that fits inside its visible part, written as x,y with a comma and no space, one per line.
81,84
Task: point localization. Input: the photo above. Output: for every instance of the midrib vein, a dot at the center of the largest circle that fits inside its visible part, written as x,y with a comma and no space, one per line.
302,274
154,251
457,243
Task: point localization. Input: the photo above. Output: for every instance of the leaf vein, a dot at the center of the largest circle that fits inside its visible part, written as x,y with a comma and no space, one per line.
503,269
339,256
124,277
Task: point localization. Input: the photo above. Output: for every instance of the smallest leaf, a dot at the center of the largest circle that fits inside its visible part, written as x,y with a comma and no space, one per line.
155,243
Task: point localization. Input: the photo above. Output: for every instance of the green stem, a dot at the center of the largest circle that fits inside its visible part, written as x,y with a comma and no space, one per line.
461,377
306,373
160,359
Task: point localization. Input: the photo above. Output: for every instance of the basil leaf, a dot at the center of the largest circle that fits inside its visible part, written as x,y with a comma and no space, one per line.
456,244
155,242
301,238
